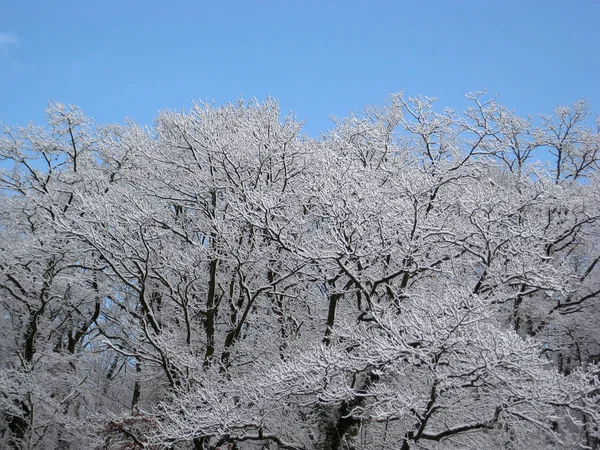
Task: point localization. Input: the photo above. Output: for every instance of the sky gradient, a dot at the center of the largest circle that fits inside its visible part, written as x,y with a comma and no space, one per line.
118,59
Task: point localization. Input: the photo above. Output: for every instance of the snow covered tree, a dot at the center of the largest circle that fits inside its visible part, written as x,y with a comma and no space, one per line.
412,279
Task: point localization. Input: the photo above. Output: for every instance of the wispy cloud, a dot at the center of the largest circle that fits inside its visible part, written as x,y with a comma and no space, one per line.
8,39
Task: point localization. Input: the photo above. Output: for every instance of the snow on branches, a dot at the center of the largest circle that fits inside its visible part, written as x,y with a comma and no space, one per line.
412,279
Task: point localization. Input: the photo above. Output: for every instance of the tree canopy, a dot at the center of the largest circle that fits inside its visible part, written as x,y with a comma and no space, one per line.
412,279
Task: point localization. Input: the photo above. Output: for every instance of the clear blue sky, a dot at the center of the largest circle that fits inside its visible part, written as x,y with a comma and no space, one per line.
120,59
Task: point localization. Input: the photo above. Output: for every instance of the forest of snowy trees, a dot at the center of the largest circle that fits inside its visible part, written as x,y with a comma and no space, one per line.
413,279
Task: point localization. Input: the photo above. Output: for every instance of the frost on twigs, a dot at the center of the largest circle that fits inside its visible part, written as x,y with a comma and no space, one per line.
415,278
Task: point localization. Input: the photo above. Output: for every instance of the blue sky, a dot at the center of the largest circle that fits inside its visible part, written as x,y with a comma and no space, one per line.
120,59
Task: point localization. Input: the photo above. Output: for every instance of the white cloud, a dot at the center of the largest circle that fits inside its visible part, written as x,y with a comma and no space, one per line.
8,41
8,38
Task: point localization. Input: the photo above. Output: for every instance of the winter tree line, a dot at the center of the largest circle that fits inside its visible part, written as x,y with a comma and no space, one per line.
413,279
